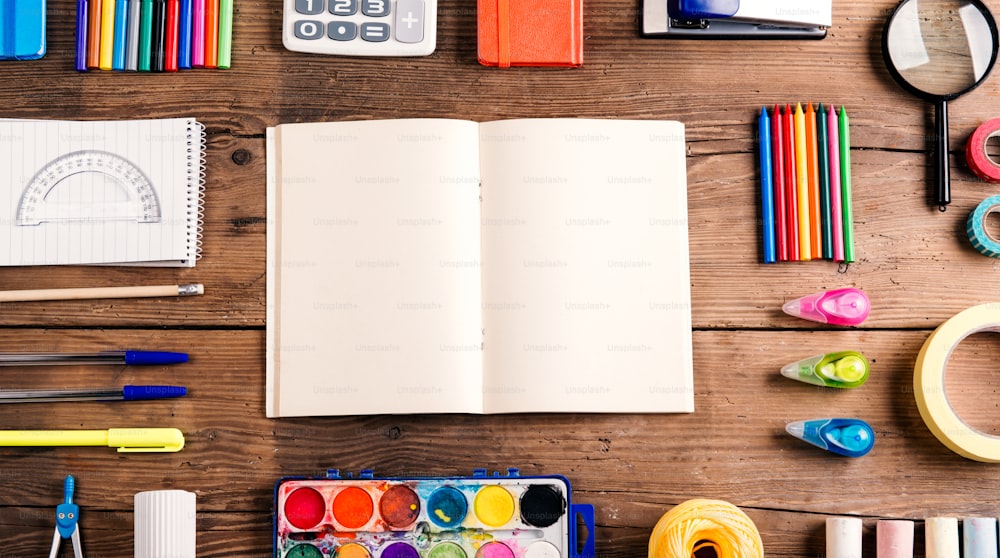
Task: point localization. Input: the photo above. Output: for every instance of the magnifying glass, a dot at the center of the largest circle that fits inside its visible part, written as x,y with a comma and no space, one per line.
938,50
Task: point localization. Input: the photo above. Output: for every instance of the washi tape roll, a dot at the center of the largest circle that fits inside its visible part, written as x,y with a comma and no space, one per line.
979,237
929,389
705,524
975,151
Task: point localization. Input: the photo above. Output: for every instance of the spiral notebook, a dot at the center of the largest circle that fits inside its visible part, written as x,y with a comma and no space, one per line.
125,192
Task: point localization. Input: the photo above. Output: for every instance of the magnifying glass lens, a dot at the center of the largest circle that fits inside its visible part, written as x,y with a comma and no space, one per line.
938,50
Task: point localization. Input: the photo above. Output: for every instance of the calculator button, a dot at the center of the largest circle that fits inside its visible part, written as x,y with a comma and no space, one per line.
375,8
375,32
343,30
343,7
410,21
309,30
309,7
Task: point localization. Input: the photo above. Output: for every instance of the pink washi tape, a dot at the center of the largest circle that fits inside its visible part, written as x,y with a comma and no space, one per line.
975,151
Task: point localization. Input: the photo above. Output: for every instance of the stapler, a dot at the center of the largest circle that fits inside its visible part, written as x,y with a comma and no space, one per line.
736,19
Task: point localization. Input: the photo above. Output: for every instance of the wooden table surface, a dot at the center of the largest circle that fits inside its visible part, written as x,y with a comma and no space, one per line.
914,262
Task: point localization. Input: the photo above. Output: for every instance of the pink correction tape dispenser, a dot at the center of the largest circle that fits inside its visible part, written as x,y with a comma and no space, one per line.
846,307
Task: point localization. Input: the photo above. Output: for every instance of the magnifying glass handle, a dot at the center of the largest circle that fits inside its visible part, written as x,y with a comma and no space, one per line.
942,190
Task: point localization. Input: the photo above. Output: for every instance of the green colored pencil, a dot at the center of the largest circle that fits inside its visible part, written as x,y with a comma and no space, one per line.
845,185
823,153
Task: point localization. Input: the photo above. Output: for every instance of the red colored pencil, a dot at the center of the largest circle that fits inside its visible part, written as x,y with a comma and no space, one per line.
211,33
172,36
778,182
791,195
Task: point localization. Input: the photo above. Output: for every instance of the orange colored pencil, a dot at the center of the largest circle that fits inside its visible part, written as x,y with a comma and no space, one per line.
812,170
211,33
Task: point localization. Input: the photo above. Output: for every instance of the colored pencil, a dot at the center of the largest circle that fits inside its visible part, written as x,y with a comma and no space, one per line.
120,35
802,184
82,15
823,158
778,166
766,186
211,33
791,193
107,34
225,33
197,33
836,210
132,43
845,185
812,170
171,34
94,34
145,36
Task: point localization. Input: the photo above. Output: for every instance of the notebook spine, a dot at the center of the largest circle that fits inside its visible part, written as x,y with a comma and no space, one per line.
196,193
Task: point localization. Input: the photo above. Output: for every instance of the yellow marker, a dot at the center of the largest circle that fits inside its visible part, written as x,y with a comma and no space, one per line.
802,183
107,34
125,439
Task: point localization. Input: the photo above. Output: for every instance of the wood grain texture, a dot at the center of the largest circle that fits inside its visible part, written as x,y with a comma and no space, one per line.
913,261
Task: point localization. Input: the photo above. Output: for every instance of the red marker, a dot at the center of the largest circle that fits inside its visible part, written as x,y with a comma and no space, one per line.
791,195
172,31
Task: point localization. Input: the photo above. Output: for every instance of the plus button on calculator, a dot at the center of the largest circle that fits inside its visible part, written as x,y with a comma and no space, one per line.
361,27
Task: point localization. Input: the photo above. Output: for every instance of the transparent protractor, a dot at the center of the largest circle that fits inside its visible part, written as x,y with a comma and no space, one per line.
88,185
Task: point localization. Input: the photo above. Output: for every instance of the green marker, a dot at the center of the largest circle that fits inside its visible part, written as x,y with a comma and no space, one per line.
145,35
845,185
225,33
823,154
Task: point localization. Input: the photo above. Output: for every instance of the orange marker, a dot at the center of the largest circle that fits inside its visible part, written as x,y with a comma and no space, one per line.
94,34
812,171
211,33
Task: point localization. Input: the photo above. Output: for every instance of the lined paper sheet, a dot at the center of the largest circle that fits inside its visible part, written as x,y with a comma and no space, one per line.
102,192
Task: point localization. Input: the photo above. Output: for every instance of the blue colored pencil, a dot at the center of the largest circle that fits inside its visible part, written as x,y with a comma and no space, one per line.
766,186
121,35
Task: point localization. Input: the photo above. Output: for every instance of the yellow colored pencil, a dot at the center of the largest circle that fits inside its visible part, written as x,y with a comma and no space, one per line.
107,34
802,183
815,233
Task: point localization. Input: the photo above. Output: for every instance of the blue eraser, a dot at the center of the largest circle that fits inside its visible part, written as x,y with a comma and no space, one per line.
702,9
137,393
154,357
22,29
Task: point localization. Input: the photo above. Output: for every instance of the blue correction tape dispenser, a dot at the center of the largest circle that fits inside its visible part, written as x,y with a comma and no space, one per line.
846,369
843,436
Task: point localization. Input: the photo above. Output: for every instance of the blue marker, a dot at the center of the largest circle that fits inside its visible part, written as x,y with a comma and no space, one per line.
121,35
766,186
184,34
843,436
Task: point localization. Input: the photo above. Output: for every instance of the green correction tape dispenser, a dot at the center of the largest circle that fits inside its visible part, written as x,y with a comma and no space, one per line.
846,369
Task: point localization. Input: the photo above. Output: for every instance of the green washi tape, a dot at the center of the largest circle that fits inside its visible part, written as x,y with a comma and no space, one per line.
976,227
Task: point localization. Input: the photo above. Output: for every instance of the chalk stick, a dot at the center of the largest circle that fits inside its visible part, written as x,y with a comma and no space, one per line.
894,538
843,537
979,537
941,537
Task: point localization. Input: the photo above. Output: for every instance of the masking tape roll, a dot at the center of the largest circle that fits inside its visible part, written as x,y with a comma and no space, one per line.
980,239
700,523
928,384
975,151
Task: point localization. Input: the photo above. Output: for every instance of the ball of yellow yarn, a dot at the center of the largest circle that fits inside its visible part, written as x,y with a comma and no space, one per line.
700,523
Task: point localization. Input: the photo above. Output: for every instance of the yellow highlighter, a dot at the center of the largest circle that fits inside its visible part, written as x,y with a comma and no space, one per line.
125,439
107,34
802,184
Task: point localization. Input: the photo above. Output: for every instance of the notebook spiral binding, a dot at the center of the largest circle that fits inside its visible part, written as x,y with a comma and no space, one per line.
196,164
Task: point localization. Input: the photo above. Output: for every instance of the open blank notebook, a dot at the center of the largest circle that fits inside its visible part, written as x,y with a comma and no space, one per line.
103,192
447,266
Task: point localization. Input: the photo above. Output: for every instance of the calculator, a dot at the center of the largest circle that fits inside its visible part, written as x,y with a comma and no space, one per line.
361,27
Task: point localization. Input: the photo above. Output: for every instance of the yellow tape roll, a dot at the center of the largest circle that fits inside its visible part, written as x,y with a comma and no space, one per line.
928,384
700,523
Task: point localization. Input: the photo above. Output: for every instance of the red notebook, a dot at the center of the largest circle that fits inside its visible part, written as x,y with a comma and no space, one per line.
530,32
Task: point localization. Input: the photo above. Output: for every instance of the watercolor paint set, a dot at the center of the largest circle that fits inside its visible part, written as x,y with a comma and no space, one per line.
476,516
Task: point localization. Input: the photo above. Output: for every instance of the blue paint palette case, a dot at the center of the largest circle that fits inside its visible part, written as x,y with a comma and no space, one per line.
478,516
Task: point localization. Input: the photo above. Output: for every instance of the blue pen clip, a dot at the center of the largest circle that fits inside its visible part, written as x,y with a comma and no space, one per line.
844,436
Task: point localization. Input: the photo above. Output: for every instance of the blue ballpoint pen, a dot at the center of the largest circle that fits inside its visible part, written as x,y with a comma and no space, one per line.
106,357
124,393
